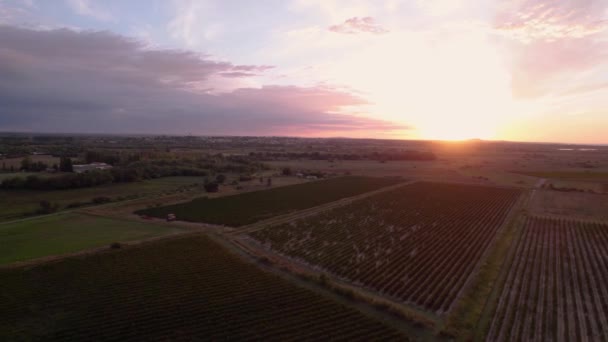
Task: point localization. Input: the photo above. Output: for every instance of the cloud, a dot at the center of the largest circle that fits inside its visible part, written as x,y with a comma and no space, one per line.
99,82
553,43
543,20
86,8
358,25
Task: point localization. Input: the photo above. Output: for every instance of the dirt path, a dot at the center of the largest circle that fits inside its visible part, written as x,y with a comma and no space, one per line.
290,272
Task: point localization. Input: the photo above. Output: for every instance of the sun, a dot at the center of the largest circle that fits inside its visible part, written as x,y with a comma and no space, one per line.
449,87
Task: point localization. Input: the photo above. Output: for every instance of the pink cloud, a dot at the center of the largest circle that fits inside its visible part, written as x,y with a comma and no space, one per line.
96,82
538,65
553,42
549,20
358,25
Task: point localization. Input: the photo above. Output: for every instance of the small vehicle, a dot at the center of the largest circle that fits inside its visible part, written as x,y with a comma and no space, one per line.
171,217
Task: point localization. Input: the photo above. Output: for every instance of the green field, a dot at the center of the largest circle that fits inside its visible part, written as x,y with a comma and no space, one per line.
66,233
18,203
179,289
254,206
4,176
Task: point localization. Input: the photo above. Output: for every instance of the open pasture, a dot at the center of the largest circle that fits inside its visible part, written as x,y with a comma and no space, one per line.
556,285
187,288
250,207
417,244
67,233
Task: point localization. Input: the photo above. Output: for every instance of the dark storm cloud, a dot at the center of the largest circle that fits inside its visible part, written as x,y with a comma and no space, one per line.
70,81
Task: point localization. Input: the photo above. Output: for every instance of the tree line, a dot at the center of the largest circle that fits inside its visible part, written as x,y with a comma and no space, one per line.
379,156
136,171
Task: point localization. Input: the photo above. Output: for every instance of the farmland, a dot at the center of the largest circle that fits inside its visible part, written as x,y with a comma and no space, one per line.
254,206
570,204
177,289
556,286
15,163
18,203
417,244
587,176
67,233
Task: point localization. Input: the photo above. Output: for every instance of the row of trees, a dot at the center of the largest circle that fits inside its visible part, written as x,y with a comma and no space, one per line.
381,156
135,171
27,164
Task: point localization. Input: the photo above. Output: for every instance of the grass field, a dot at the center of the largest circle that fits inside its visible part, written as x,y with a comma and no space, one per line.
14,204
250,207
179,289
4,176
66,233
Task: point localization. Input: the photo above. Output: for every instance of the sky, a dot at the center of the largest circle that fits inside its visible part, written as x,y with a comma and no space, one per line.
520,70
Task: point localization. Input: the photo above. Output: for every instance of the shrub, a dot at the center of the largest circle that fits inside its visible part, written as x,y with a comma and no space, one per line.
212,187
76,205
47,207
115,245
101,200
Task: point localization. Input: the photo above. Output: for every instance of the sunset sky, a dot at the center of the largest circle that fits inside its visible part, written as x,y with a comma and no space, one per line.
422,69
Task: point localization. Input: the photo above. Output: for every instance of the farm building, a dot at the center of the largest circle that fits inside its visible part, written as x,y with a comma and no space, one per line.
89,167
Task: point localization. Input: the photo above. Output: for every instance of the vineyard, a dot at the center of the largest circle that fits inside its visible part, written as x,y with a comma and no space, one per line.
556,286
250,207
417,244
188,288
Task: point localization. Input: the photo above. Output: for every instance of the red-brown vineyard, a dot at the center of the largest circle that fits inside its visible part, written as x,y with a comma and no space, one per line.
556,285
185,289
417,244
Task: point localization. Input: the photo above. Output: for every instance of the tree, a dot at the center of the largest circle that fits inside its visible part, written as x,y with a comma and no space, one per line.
269,182
26,163
65,165
286,171
212,187
47,207
220,178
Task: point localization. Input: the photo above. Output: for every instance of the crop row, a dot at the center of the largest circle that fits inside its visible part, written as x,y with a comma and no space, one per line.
189,288
556,285
417,244
249,207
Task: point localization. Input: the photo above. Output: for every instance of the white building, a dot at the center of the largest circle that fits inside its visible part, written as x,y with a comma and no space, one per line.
89,167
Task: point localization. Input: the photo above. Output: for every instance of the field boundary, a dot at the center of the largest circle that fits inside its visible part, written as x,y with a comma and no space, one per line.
369,303
286,218
96,250
510,218
485,319
510,225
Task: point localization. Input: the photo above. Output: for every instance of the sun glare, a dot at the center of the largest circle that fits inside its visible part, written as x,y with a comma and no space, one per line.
459,89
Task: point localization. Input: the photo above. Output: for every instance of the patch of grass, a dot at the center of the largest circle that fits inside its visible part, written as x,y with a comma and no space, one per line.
254,206
467,315
67,233
18,203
